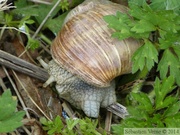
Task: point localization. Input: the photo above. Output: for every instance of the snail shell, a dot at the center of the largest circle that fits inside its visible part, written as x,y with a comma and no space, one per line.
84,45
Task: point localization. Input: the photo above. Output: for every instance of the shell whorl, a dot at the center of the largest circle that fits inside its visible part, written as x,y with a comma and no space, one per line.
84,46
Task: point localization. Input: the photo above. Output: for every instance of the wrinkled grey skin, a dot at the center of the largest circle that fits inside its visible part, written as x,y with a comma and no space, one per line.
84,96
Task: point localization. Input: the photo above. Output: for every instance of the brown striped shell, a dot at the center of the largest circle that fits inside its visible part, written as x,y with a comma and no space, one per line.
84,45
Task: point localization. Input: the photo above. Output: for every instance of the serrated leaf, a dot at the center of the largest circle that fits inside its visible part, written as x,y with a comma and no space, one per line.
156,120
165,4
176,49
13,122
166,102
167,85
136,2
58,125
165,43
146,55
64,5
71,123
32,43
173,121
143,26
144,100
138,61
137,113
121,23
173,109
161,90
52,131
168,41
169,62
158,5
117,23
135,10
9,118
112,21
58,121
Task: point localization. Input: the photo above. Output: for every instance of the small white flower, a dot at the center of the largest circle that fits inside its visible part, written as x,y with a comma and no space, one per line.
22,28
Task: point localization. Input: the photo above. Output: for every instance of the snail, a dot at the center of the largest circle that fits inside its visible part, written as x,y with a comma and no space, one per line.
86,59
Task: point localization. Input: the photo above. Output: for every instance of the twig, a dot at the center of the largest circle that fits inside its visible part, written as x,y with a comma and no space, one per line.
46,18
19,96
118,109
43,22
13,28
22,66
4,6
41,2
30,96
108,121
2,85
26,130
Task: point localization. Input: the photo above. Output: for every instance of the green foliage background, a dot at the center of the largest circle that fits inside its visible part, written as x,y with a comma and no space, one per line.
155,24
10,119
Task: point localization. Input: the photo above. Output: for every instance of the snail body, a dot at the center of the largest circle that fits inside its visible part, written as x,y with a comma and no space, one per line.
86,59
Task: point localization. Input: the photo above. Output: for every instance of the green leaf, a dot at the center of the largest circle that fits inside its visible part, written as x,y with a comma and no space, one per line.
167,102
6,111
88,126
156,121
136,2
137,113
120,23
8,19
138,60
164,22
146,55
161,90
144,100
172,110
158,4
38,11
32,43
117,22
9,118
64,4
71,123
58,122
53,25
11,123
169,62
52,127
143,26
24,8
44,121
176,49
136,10
169,40
165,4
173,121
117,129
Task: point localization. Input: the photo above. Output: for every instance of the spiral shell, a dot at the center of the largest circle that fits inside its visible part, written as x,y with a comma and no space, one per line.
84,45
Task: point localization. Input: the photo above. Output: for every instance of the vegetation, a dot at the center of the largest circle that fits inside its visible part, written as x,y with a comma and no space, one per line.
155,23
10,119
157,26
73,126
